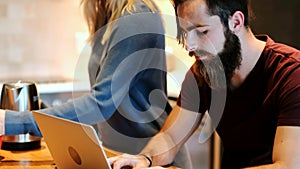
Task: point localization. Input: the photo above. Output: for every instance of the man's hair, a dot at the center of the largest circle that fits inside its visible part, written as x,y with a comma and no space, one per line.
222,8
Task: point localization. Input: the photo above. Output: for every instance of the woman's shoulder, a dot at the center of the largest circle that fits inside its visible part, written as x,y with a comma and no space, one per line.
140,6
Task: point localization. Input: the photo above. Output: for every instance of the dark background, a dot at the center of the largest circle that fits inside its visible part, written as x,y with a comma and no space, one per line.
280,19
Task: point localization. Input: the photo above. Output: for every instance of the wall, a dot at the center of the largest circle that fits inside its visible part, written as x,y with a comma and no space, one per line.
38,38
43,39
279,19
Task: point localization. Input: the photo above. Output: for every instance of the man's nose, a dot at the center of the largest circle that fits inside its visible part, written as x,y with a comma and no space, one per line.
190,43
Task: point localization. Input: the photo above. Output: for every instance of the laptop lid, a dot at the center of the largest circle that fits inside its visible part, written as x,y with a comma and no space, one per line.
72,145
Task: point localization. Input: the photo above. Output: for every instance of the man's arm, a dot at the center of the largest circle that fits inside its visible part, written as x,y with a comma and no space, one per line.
163,147
286,152
179,126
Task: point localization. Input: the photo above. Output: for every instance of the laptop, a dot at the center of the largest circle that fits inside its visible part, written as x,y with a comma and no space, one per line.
72,145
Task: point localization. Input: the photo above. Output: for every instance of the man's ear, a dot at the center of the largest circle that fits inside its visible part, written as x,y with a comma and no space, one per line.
236,22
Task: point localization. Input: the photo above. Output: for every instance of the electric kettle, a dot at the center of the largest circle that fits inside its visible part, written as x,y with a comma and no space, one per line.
20,96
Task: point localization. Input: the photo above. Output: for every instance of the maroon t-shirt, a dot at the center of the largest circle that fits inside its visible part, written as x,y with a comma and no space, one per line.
247,118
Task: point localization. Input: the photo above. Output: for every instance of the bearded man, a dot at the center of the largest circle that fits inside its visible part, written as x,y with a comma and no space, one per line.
249,85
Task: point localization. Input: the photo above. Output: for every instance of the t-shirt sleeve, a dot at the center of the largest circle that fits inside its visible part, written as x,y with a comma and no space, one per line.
289,100
189,97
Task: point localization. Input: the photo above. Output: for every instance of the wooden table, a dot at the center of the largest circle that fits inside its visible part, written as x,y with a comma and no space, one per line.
39,158
33,159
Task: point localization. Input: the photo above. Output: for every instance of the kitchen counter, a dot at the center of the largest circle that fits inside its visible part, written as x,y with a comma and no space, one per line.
55,86
39,158
69,85
33,159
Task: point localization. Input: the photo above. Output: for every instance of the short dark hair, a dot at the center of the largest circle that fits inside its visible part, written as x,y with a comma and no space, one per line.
222,8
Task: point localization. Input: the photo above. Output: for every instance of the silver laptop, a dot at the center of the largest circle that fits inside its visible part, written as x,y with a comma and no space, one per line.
72,145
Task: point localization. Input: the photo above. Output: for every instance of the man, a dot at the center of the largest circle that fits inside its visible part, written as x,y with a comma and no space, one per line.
253,96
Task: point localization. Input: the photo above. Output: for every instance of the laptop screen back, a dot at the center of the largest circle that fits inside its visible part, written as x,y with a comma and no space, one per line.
72,145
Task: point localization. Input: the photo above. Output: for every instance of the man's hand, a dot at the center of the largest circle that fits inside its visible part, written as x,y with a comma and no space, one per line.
134,161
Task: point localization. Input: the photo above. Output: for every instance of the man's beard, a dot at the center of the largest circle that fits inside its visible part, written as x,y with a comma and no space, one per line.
225,62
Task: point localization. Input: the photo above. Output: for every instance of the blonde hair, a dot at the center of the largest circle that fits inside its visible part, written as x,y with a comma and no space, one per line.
98,13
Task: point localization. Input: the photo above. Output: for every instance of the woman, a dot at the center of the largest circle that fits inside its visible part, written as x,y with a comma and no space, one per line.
127,71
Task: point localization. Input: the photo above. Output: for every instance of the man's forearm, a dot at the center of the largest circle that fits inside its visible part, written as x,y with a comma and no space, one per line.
161,149
179,126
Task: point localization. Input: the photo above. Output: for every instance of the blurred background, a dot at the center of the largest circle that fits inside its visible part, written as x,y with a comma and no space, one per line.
44,41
